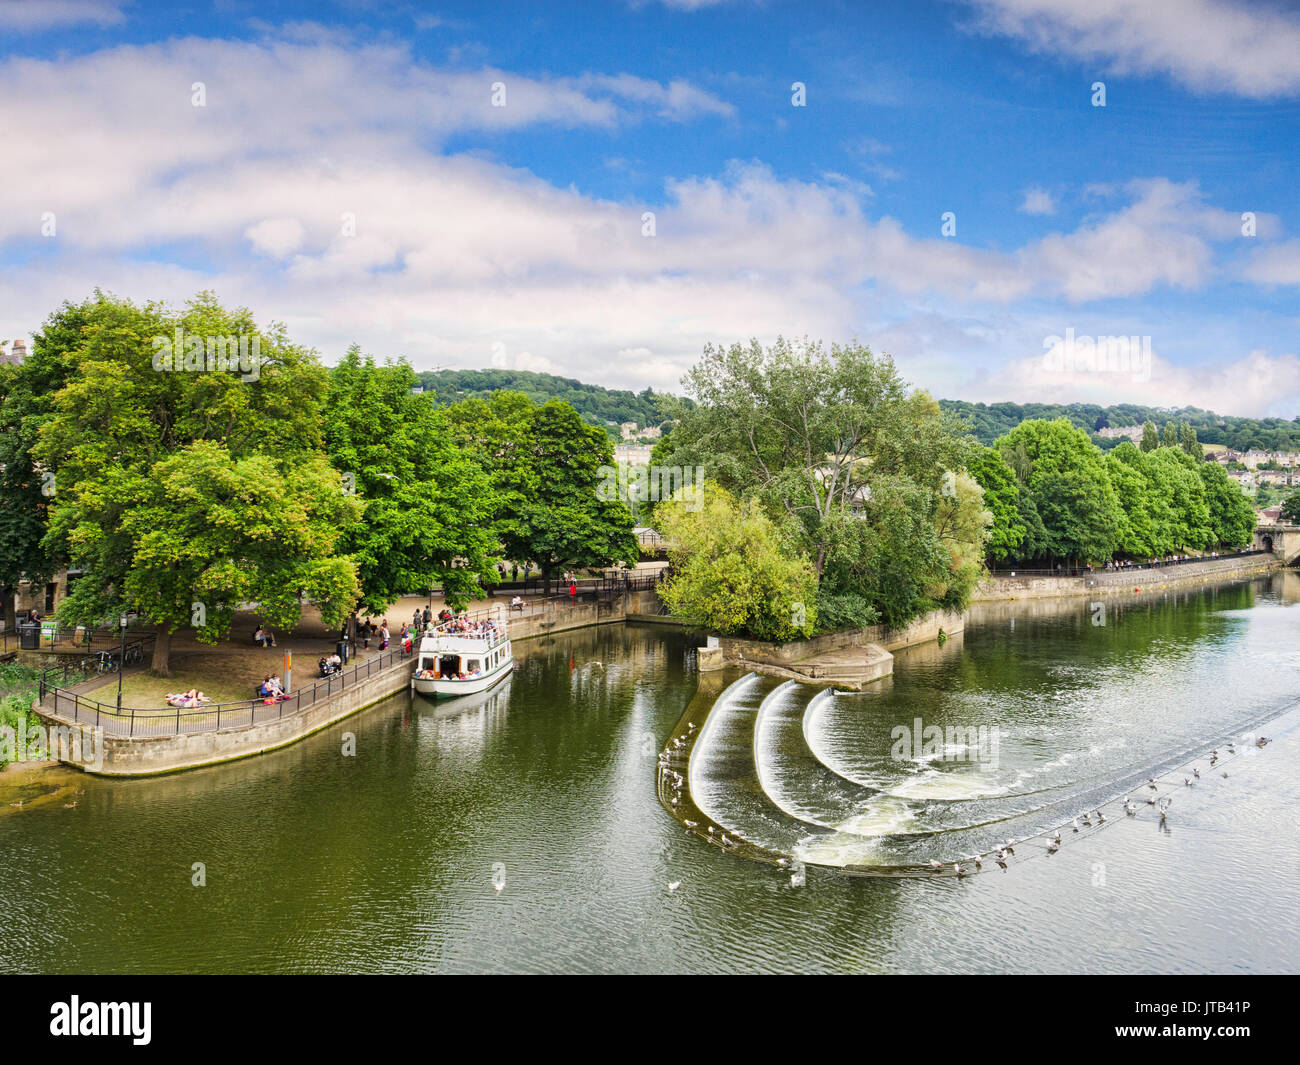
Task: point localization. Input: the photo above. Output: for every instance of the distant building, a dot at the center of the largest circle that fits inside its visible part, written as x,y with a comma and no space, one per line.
1270,515
633,454
15,354
1114,432
629,431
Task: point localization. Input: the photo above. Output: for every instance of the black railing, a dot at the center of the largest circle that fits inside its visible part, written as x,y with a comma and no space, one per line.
1118,567
210,717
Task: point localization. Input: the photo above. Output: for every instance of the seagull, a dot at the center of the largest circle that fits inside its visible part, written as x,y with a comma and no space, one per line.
1130,809
1010,849
1187,782
936,866
1057,837
1196,774
69,805
1053,846
691,824
1260,742
1075,822
956,868
1002,862
783,862
1225,776
978,864
1151,801
1101,817
710,830
674,886
1001,854
1151,784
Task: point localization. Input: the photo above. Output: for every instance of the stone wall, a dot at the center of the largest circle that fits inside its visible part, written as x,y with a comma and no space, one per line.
921,630
1109,582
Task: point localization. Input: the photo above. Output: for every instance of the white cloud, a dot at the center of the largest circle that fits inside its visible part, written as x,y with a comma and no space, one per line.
1278,265
1258,384
1038,201
1205,45
33,16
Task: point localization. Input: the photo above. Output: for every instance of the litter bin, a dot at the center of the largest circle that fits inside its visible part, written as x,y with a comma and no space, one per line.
29,637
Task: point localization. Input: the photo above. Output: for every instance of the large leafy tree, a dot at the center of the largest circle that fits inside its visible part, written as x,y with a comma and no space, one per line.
211,532
833,444
119,418
1073,496
427,505
734,571
547,468
1002,498
1232,518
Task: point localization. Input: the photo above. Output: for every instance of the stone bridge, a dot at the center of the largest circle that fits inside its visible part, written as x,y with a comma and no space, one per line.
1282,539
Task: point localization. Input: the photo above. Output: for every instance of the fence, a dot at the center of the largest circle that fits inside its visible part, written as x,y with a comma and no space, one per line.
173,721
1090,571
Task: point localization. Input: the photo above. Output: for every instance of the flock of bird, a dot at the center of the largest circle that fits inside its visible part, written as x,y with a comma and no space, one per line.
675,782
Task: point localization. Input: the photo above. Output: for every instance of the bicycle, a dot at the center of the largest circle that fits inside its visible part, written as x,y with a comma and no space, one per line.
107,663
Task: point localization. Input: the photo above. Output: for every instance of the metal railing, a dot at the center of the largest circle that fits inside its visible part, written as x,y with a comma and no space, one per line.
1118,567
211,717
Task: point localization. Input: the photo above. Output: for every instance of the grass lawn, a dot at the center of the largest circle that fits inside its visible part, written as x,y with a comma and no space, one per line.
223,678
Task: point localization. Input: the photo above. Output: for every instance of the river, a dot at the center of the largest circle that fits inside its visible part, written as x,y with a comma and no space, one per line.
522,832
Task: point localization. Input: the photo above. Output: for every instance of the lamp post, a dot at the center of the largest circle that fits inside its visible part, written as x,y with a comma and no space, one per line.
121,661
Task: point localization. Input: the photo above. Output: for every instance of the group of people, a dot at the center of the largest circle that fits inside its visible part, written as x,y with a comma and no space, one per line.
368,630
271,690
189,700
264,636
330,664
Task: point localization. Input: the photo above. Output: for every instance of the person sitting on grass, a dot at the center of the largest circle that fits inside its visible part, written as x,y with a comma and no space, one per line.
264,636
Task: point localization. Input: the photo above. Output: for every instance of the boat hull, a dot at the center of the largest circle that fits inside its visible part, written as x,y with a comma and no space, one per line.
447,688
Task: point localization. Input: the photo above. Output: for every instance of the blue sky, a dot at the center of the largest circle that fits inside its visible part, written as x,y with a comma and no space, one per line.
513,235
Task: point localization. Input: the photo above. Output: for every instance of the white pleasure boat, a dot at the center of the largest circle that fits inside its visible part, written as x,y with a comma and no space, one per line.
461,657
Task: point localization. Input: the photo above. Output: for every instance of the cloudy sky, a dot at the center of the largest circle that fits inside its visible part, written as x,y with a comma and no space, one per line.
598,189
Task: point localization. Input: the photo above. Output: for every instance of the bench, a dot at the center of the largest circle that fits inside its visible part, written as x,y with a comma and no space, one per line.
518,606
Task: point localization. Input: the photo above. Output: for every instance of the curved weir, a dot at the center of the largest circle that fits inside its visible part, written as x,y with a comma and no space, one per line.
757,771
723,779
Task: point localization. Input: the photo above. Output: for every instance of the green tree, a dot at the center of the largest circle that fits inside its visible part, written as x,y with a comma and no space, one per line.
1002,498
120,414
1169,436
211,532
1232,518
1073,496
1188,442
552,510
1150,438
734,571
1290,509
427,506
840,453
